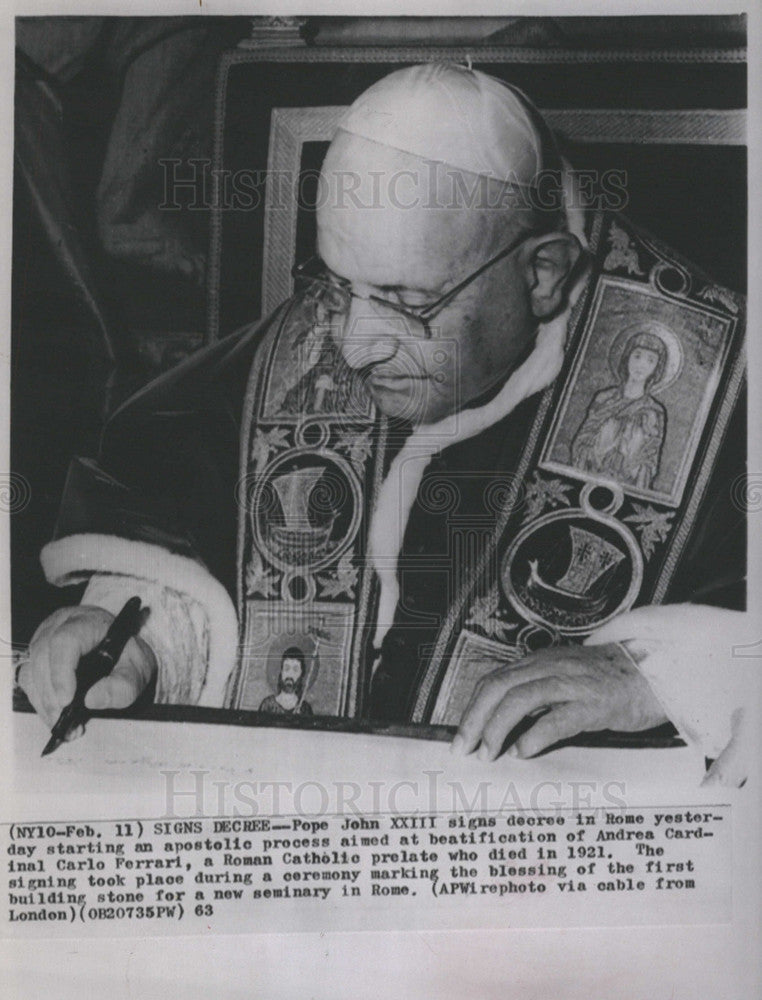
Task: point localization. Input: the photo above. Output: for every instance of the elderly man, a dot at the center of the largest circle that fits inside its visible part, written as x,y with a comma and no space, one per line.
406,483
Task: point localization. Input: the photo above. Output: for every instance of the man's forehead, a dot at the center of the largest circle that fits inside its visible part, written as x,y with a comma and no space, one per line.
388,211
363,173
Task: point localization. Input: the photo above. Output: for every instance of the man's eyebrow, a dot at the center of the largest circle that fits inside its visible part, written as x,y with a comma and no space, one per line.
392,288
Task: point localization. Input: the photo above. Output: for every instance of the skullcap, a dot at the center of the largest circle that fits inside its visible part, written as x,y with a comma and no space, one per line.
456,116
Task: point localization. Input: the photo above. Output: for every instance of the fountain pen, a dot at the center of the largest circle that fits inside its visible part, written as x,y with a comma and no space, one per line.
92,667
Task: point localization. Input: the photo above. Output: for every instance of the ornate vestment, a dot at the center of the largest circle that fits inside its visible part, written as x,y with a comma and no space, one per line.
519,537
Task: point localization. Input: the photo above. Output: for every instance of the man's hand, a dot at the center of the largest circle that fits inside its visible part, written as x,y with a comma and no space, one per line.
48,678
579,688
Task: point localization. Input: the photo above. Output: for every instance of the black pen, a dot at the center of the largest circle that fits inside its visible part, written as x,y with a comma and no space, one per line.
92,667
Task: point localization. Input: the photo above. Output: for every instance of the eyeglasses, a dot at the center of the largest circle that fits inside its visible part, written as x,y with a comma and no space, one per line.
333,295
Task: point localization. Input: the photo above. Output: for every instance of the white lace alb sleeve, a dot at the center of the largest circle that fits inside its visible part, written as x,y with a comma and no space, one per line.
703,664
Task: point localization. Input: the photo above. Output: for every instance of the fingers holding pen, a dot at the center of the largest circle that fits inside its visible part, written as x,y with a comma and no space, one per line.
49,676
132,673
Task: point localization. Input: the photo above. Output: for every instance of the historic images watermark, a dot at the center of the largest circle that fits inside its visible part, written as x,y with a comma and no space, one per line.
196,185
196,793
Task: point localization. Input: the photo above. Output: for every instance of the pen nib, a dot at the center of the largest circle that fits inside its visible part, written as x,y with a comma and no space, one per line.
53,743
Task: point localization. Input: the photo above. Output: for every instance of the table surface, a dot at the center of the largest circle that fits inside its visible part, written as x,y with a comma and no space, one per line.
121,757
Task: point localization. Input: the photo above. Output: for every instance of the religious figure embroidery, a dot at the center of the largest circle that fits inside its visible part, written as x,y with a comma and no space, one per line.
292,679
622,433
327,384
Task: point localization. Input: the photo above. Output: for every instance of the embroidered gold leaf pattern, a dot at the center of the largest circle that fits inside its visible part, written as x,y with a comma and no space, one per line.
357,446
260,579
266,442
340,581
622,253
652,525
486,614
714,294
542,493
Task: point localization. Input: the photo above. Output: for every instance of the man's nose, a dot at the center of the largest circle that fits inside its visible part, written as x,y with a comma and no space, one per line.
369,336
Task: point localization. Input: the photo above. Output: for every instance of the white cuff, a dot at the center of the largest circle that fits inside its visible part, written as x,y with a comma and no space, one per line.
79,557
699,662
175,629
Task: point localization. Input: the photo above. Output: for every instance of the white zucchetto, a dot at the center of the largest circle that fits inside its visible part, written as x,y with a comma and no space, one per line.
453,115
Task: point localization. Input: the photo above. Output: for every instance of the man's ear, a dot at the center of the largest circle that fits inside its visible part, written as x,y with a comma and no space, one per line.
549,262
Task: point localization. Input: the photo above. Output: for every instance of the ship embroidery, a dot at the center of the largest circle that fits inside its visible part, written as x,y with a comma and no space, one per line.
581,592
